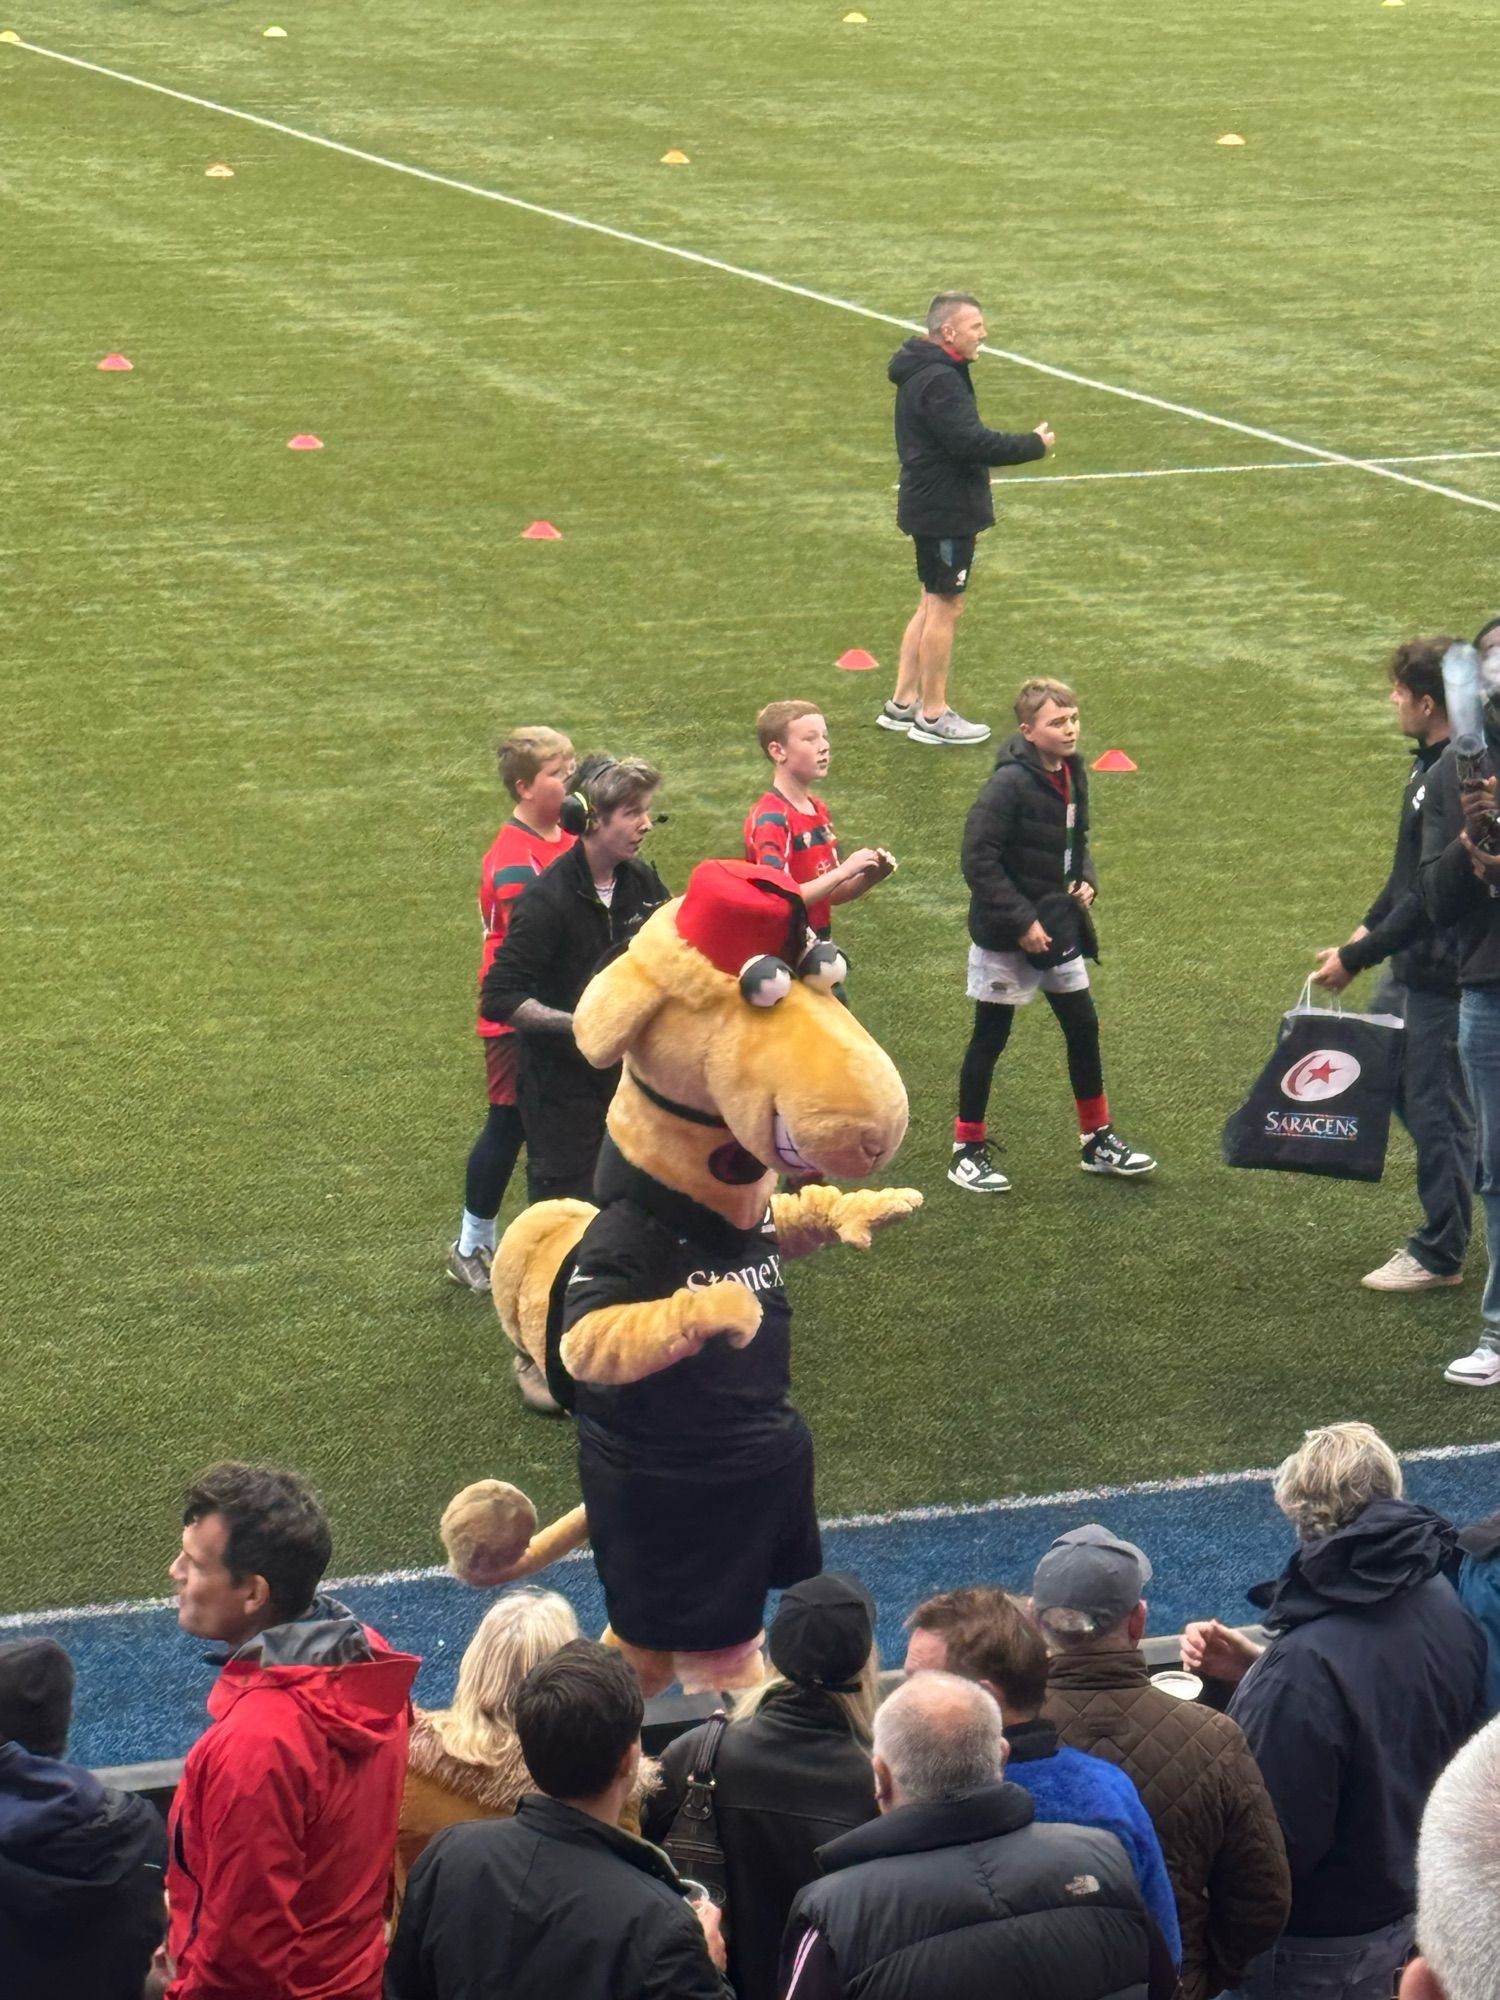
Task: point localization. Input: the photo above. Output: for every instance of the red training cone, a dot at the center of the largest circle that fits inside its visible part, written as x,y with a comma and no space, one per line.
115,364
304,441
541,531
1113,760
857,661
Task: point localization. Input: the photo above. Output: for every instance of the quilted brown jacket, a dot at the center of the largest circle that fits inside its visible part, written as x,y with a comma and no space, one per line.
1207,1800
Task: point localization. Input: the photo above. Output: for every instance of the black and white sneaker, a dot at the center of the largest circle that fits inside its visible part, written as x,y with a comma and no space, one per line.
1105,1152
971,1167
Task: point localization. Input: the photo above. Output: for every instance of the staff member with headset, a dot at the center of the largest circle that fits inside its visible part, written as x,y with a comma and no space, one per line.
587,904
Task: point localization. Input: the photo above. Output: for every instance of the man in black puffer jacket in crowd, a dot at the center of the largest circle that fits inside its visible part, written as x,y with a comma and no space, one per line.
946,454
956,1891
1421,987
1031,883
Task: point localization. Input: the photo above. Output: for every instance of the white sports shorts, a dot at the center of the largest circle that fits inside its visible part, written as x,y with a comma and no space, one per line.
1009,979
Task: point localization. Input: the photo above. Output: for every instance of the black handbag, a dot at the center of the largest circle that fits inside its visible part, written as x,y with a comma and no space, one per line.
692,1841
1322,1104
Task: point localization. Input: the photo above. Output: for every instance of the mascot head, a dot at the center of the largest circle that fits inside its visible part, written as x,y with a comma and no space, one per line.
740,1061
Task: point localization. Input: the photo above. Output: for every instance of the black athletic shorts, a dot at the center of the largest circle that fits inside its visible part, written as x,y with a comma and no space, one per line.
686,1562
944,563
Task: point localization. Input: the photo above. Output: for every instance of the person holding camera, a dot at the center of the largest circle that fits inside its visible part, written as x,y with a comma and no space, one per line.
1460,882
587,904
1420,986
1031,884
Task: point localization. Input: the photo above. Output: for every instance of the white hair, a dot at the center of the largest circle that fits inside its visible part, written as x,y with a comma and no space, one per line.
1458,1872
1333,1475
941,1737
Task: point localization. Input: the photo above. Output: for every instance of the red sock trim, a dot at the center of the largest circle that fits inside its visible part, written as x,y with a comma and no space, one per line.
966,1133
1092,1113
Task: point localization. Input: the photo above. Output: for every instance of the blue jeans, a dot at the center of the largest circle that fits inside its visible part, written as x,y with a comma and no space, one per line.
1479,1046
1346,1968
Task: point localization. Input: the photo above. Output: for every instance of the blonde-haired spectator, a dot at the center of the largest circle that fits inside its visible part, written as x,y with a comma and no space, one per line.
1373,1678
465,1762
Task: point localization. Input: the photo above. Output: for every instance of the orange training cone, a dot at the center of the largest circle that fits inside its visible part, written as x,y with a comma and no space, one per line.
1113,760
541,531
115,364
857,661
304,441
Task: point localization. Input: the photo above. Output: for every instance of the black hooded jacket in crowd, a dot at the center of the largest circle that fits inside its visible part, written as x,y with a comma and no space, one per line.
945,451
1374,1678
81,1877
1398,924
558,936
1018,846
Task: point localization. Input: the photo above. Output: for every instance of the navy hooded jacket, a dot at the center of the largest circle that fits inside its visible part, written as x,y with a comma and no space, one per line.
81,1870
1374,1678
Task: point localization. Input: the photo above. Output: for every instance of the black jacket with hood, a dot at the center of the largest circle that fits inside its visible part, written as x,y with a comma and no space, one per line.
1398,925
945,451
1018,845
1374,1678
81,1878
558,936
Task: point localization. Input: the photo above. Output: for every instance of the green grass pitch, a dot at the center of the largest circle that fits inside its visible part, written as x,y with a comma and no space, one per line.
252,694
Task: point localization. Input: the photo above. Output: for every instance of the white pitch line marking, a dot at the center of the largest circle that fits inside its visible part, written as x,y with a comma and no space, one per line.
697,257
1011,1503
1200,471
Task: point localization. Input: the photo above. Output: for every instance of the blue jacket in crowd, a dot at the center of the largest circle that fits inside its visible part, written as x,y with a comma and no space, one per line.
1374,1678
1479,1590
1070,1788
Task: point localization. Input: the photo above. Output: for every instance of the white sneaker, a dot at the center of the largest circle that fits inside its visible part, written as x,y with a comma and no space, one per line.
1402,1273
973,1169
898,715
1479,1370
949,727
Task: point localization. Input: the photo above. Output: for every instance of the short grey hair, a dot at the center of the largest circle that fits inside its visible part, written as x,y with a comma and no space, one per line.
1458,1872
629,782
1333,1475
942,1737
944,306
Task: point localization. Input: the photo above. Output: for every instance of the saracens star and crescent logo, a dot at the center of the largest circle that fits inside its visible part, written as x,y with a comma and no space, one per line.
1324,1073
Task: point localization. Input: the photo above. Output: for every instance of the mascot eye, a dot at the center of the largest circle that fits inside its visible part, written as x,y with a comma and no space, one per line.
764,981
823,967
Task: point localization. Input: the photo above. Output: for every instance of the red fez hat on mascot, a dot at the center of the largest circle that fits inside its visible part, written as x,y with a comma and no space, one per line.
736,913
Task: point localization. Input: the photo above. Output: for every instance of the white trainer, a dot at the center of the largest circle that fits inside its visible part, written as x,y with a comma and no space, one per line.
949,727
1402,1273
1479,1370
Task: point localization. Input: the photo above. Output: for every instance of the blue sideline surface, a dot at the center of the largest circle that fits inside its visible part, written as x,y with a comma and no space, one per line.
142,1683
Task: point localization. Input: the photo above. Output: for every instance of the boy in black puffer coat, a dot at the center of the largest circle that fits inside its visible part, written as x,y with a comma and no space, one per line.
1031,881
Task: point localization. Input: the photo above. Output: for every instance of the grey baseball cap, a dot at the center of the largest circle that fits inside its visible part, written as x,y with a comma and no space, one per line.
1090,1570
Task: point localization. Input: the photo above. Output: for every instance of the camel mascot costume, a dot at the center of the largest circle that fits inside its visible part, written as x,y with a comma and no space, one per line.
659,1318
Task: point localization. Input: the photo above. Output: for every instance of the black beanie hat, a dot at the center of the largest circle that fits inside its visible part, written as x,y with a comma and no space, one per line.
36,1696
822,1633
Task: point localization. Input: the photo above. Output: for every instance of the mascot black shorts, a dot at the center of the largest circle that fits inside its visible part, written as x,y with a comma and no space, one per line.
686,1558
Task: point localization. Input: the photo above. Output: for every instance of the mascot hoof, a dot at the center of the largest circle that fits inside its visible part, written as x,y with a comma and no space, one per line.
486,1530
532,1384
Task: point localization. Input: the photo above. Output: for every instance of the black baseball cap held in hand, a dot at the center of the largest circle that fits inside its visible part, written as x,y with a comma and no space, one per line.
1070,928
1090,1570
822,1633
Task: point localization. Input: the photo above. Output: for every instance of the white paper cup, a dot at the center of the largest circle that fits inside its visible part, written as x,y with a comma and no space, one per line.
1179,1682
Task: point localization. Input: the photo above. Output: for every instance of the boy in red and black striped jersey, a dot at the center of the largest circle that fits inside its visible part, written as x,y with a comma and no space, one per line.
789,829
535,768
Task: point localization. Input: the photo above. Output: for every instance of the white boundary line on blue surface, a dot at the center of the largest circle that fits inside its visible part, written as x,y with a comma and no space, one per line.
1373,467
1013,1503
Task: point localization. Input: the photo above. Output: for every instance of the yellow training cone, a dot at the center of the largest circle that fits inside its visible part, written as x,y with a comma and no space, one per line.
857,20
1230,139
674,159
9,35
274,34
218,172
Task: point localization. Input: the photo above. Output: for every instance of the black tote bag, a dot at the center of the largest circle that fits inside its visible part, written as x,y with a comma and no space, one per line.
1322,1104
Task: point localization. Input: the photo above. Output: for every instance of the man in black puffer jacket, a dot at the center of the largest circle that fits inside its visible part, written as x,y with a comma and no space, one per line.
956,1890
1421,987
1031,884
946,454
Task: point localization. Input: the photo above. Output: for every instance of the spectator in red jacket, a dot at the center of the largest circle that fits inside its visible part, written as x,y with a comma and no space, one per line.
284,1823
